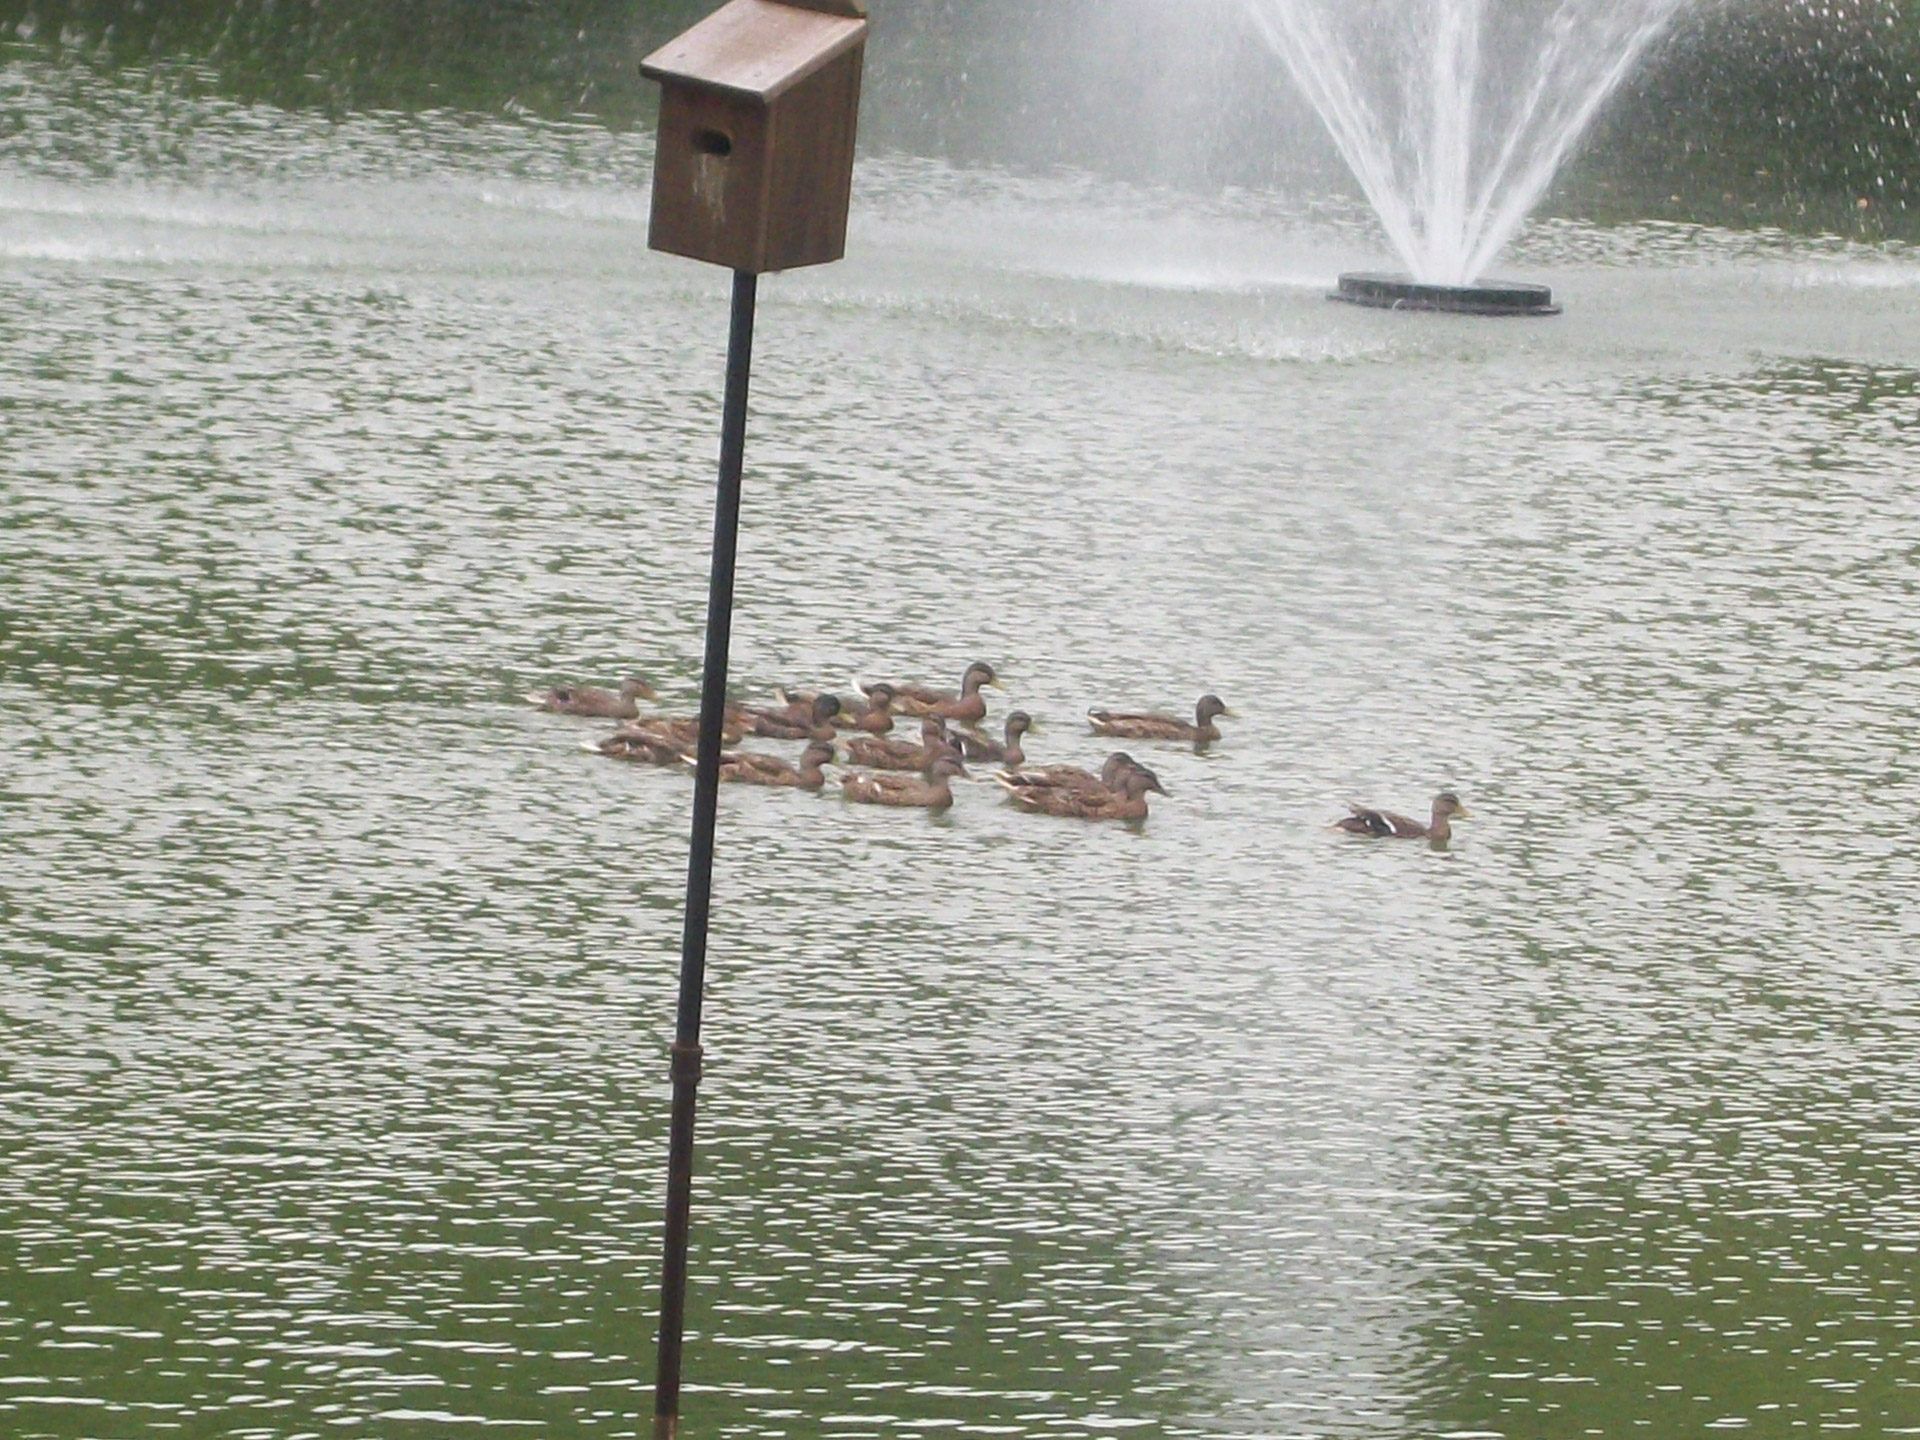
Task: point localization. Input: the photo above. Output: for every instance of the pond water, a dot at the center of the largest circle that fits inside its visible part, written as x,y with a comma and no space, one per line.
337,981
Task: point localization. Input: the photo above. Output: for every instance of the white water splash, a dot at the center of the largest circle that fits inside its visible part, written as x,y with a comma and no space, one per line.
1455,115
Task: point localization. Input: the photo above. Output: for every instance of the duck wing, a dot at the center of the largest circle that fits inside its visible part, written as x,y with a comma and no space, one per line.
1052,777
585,700
1137,725
638,749
1383,823
761,764
978,747
905,791
887,754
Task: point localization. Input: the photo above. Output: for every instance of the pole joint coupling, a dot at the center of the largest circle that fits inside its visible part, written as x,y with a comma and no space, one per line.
685,1065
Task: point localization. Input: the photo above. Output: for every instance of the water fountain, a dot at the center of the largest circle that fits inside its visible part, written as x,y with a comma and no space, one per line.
1454,116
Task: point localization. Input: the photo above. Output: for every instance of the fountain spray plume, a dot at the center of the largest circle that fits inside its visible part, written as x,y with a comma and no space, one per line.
1455,115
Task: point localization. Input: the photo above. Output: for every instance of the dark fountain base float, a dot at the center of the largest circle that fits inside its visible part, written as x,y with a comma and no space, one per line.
1403,292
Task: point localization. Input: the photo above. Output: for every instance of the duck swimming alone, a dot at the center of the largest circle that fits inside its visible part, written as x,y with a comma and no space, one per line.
599,704
935,792
1385,825
1148,726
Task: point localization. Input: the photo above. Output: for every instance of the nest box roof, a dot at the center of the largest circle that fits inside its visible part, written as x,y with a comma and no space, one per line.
759,48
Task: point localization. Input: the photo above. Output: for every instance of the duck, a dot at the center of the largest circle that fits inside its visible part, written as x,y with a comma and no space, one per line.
934,792
637,746
744,769
967,706
1385,825
591,701
1071,777
878,754
872,714
1163,727
683,734
1126,801
811,719
981,747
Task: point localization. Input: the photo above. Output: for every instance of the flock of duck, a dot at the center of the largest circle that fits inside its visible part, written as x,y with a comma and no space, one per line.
886,770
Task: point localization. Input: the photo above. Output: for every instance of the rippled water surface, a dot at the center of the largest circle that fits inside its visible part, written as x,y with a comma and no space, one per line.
336,980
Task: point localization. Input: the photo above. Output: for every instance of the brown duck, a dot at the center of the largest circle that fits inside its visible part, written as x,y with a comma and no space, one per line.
1385,825
1163,727
1126,801
601,704
811,719
680,734
878,754
745,769
980,747
872,716
638,747
872,713
935,792
968,706
1069,777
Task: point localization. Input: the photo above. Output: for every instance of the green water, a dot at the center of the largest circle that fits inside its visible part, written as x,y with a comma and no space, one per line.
336,980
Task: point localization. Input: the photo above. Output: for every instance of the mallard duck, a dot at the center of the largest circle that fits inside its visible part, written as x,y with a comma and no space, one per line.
871,713
1162,727
872,716
1126,801
1385,825
681,734
1069,777
966,706
878,754
935,792
601,704
980,747
808,720
744,769
638,747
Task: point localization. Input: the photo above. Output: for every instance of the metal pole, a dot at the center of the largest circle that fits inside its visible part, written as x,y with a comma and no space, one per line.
706,805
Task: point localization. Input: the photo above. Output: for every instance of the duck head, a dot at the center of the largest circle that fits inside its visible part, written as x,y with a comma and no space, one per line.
979,673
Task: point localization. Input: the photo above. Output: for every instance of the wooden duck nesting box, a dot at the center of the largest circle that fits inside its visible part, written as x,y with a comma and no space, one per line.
754,163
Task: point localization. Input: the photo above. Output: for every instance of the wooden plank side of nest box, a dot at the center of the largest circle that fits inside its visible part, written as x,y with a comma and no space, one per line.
814,128
756,48
712,170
